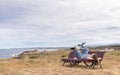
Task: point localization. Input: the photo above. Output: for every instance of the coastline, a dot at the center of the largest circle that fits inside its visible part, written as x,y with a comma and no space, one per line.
8,53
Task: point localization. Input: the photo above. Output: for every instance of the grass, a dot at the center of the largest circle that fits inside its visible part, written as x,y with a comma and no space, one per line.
50,64
34,56
116,53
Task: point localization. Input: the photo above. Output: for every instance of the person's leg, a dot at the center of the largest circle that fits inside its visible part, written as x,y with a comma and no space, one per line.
78,54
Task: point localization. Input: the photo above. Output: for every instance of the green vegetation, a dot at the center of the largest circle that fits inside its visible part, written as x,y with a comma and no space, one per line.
64,55
34,56
117,53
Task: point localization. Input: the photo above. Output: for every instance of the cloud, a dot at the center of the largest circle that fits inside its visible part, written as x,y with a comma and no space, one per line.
27,23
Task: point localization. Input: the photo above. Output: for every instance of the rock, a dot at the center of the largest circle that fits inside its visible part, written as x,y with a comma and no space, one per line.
30,52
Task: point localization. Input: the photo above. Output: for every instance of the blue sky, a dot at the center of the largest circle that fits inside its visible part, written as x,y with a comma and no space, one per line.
41,23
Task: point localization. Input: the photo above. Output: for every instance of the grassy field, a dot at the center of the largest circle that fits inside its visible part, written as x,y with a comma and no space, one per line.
50,64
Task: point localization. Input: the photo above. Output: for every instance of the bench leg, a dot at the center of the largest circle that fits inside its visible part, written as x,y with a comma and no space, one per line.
93,64
100,64
97,63
73,63
88,65
64,63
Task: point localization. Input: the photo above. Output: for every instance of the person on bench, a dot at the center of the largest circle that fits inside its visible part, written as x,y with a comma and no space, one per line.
82,53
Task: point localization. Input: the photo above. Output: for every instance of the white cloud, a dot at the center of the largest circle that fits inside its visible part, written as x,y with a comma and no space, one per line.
58,22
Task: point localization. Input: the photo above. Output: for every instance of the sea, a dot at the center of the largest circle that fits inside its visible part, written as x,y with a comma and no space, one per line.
9,53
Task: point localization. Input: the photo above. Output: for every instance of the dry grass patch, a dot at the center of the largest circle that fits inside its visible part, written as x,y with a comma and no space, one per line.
50,64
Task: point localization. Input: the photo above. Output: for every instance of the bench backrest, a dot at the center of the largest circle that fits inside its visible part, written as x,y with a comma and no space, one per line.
99,53
71,54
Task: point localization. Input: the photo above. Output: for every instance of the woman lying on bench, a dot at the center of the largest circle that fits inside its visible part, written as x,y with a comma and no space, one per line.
82,53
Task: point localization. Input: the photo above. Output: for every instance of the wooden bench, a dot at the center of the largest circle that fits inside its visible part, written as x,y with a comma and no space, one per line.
91,63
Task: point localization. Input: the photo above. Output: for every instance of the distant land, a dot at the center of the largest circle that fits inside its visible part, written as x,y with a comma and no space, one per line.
110,46
116,45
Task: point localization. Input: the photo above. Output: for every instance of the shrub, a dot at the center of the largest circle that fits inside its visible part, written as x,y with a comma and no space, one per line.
35,56
64,55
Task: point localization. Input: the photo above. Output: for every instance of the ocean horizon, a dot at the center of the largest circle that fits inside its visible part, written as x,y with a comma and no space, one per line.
9,53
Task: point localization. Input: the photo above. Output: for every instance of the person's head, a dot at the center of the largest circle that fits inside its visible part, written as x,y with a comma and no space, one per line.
75,48
95,57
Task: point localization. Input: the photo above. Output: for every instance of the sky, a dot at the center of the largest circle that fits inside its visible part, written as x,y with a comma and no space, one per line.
58,23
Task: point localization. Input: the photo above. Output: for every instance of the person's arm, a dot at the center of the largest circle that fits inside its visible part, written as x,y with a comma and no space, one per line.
84,50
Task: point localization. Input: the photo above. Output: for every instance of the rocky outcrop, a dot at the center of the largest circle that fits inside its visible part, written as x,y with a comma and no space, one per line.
30,52
33,53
